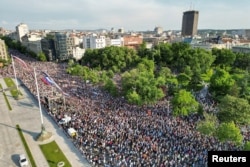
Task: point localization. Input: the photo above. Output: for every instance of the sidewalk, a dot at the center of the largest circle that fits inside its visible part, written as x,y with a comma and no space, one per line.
26,113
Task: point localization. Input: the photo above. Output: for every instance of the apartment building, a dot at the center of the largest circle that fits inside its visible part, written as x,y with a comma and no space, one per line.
33,42
3,50
94,41
21,30
132,41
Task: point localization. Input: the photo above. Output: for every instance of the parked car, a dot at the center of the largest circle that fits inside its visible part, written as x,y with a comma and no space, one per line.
23,160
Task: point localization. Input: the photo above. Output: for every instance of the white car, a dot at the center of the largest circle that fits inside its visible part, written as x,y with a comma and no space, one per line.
65,120
23,160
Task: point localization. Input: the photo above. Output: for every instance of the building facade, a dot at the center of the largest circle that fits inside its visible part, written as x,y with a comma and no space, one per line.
132,41
3,50
190,23
61,46
78,53
94,42
21,30
48,48
241,48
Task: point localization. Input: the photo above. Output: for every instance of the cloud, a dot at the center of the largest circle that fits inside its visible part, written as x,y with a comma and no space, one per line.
130,14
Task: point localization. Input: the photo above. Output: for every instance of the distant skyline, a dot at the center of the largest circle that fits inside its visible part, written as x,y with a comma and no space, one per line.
132,15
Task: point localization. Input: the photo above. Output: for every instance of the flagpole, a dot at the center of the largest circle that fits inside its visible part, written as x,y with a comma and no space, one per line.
13,64
39,103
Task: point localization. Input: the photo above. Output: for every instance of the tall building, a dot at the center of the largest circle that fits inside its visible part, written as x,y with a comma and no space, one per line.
21,30
3,50
48,48
61,46
190,23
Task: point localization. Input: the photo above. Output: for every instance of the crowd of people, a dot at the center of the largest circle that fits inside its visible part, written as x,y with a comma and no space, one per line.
113,133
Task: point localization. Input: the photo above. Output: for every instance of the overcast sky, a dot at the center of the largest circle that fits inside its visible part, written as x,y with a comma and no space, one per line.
129,14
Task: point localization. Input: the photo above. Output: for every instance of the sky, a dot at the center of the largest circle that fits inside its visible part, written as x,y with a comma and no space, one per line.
132,15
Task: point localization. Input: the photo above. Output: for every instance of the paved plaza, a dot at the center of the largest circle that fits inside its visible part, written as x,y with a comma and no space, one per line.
25,113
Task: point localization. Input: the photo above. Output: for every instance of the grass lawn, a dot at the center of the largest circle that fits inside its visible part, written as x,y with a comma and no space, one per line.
53,154
6,99
32,161
10,83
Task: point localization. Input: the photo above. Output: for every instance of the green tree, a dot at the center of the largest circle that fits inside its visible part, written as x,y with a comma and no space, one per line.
242,61
144,83
247,146
184,103
111,87
221,82
229,132
224,57
133,97
234,109
41,56
110,58
183,80
208,125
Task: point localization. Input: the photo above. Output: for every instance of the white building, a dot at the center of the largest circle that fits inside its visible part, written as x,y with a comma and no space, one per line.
21,30
94,42
116,42
241,48
78,53
32,42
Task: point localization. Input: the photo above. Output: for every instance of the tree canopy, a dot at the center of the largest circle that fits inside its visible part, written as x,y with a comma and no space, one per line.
141,85
234,109
208,125
115,58
184,103
228,131
221,82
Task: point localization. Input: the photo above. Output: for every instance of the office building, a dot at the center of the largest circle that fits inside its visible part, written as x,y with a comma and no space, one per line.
190,23
61,46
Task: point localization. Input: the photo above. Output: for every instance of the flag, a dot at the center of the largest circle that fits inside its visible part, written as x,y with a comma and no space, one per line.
44,81
21,61
49,81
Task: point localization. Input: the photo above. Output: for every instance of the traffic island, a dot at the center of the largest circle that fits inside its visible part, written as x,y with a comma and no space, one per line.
54,155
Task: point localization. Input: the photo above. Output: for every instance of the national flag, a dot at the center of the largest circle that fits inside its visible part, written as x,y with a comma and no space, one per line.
48,80
51,82
21,61
45,81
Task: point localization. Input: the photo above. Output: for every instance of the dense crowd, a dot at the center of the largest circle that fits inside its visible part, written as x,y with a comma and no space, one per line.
111,132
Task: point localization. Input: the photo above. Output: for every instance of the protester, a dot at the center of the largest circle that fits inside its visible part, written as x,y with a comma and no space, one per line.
114,133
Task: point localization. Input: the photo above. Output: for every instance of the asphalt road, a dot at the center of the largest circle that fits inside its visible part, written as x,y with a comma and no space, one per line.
10,142
25,113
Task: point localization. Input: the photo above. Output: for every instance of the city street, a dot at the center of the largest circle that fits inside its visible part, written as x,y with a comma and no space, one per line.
25,113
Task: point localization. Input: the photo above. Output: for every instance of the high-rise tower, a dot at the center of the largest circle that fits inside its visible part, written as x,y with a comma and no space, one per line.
190,23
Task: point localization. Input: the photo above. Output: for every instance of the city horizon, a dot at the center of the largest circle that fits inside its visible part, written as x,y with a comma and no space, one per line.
132,16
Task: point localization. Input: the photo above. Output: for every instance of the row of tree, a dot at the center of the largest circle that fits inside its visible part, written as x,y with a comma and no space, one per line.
17,45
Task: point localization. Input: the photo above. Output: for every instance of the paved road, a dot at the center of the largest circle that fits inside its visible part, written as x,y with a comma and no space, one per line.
25,112
10,143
